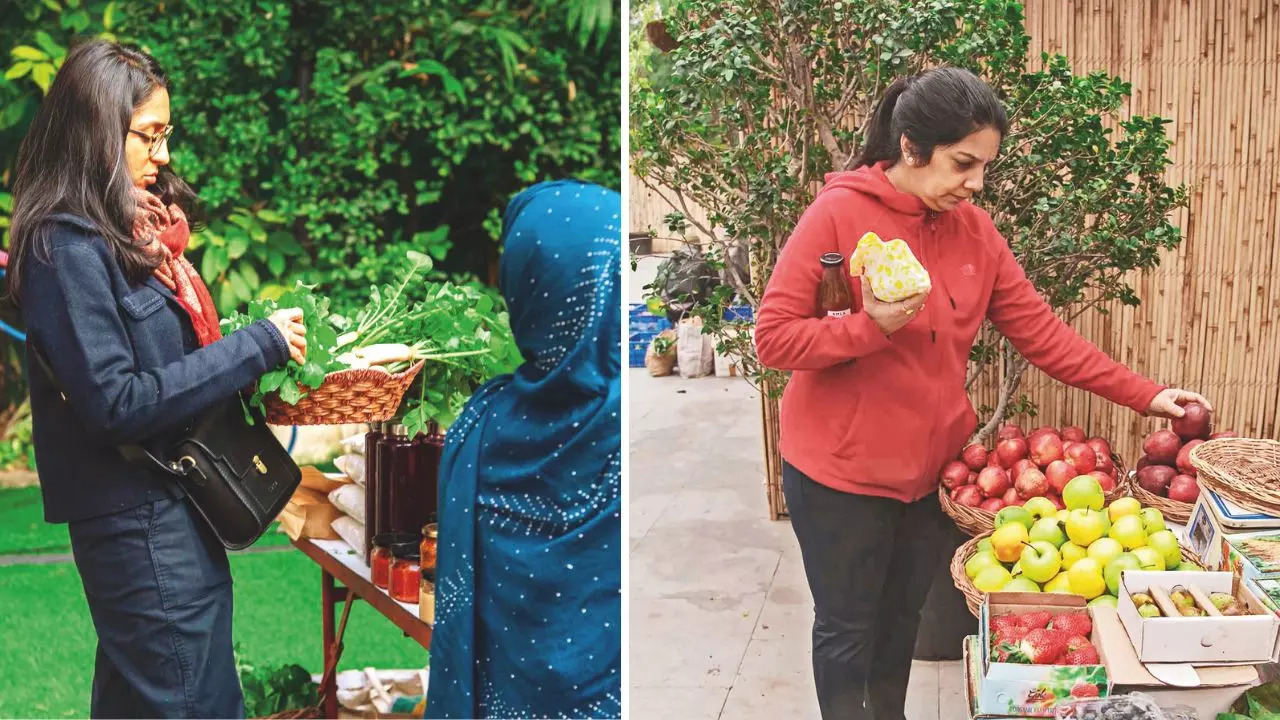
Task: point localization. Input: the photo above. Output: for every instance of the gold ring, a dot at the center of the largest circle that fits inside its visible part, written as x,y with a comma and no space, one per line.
908,312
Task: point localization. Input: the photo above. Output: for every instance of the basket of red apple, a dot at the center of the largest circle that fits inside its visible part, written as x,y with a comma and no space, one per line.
1165,476
983,481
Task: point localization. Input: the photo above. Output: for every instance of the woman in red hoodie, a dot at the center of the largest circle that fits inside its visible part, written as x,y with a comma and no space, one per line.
876,404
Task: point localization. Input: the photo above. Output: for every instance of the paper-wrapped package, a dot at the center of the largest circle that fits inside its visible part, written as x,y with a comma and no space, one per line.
309,514
891,268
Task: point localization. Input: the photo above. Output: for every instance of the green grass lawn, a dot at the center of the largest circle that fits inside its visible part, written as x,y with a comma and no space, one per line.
49,639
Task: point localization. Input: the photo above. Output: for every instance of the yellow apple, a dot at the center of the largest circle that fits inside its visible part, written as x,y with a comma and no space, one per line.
1124,506
1086,579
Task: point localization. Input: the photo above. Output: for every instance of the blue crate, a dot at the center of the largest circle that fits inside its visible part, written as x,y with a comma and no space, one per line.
637,346
643,321
738,313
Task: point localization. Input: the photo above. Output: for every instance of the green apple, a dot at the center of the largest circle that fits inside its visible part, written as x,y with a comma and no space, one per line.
1188,566
1012,514
1071,553
979,562
1123,506
1021,584
1062,516
1152,520
1083,492
1111,572
1040,561
993,579
1107,600
1041,507
1060,584
1166,543
1104,550
1150,559
1048,530
1084,526
1016,570
985,544
1129,531
1086,579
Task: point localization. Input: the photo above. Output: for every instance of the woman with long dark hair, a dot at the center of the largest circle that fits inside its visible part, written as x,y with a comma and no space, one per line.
876,404
124,348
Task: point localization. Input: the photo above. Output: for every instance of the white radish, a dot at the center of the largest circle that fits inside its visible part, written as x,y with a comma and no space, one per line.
385,353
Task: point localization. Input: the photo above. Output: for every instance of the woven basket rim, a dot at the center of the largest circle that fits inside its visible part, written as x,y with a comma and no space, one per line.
1252,483
330,404
1175,510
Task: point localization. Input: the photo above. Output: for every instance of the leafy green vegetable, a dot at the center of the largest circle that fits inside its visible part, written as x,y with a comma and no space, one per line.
458,330
272,689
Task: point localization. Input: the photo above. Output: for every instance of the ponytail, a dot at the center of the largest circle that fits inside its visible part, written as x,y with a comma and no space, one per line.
938,107
880,142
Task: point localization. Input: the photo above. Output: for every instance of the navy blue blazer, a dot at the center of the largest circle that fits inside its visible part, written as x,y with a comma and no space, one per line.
128,359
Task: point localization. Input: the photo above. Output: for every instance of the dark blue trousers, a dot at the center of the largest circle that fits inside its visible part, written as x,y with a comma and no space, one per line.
159,592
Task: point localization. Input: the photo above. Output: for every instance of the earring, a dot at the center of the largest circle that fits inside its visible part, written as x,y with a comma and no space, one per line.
911,160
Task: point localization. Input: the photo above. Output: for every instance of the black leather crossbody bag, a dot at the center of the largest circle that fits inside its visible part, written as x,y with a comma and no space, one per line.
238,476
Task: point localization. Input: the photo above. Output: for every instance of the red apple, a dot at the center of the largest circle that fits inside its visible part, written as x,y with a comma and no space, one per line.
1043,430
1107,482
954,474
1184,488
1072,434
1196,422
1059,474
975,456
992,505
993,460
1011,451
1143,461
1057,501
1184,458
1224,434
1081,457
1045,449
1099,445
1011,497
1022,466
1155,479
993,482
1031,483
1105,464
1162,447
1009,431
968,495
973,478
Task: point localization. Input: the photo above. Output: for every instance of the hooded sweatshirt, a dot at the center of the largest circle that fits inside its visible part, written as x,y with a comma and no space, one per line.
880,415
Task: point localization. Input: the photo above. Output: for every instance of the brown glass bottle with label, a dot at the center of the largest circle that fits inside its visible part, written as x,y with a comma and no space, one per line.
835,299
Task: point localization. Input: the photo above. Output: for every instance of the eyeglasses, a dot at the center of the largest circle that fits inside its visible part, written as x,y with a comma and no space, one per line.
154,141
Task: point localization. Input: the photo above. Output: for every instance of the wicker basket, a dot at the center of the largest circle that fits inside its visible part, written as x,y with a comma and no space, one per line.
973,597
1174,510
346,396
975,521
1242,470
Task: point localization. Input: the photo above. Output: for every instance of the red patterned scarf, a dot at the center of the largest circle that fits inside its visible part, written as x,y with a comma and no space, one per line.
162,233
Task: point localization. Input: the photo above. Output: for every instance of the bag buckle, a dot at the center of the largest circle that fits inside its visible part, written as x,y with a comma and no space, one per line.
185,464
262,467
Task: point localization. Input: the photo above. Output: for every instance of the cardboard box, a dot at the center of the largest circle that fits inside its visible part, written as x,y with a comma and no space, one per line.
1254,555
1011,689
1218,688
1268,591
1221,640
1215,522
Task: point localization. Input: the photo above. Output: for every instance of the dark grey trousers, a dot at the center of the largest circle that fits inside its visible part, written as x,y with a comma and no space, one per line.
159,592
870,563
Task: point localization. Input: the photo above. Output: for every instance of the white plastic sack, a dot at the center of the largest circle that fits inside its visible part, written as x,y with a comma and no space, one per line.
350,500
695,352
351,465
354,444
351,532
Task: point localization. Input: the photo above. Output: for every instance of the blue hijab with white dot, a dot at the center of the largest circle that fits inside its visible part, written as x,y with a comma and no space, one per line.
528,605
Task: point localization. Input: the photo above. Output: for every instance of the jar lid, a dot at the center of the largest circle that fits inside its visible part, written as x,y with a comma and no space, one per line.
431,530
832,259
405,550
386,540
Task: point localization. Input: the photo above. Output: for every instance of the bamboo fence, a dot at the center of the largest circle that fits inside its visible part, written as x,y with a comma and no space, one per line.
1208,318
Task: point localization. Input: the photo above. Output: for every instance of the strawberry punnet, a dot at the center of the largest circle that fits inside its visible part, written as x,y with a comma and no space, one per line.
1073,624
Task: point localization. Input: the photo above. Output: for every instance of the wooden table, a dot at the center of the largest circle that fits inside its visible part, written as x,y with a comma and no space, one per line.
339,563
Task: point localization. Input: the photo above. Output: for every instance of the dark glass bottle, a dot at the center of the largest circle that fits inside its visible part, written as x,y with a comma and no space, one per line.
406,514
834,297
431,448
371,439
383,496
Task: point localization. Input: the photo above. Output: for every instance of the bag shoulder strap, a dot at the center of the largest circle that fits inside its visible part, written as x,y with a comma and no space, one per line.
134,453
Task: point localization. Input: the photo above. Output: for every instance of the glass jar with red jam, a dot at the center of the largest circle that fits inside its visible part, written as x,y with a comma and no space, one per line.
835,299
381,557
406,575
427,549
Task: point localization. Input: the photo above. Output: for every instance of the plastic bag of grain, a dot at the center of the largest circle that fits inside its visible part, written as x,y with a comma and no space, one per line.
350,500
351,532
